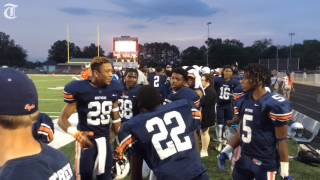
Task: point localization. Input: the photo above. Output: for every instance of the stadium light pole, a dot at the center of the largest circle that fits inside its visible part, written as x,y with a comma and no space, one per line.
98,39
290,55
277,57
208,24
68,44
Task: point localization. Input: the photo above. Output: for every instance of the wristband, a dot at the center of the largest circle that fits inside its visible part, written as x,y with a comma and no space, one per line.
72,130
284,169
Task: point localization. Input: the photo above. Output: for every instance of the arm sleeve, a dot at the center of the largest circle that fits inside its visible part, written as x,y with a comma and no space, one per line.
69,93
43,129
280,112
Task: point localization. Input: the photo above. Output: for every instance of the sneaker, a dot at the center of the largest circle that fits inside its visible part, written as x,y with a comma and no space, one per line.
219,147
203,154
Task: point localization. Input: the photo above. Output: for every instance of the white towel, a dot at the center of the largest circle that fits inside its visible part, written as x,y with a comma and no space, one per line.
100,163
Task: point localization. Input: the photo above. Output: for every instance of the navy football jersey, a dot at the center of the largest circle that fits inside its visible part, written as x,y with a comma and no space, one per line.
48,164
127,103
94,105
165,140
160,82
43,129
257,126
184,93
225,89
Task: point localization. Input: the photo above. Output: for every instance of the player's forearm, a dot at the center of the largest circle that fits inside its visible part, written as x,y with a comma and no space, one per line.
63,119
283,151
235,140
116,127
282,142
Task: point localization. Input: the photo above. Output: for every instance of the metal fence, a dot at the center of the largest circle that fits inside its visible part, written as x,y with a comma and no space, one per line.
281,64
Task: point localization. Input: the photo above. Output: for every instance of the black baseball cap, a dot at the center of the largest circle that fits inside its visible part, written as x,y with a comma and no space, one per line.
18,94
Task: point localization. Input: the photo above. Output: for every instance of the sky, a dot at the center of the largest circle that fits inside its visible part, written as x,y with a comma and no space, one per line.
39,23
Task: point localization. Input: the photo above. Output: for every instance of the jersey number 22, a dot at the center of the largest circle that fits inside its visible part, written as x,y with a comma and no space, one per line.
174,143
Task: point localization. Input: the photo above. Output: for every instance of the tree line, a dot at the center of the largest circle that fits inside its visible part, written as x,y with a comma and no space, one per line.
217,52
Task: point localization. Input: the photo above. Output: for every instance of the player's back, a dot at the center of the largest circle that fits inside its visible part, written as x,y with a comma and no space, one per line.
165,138
159,81
48,164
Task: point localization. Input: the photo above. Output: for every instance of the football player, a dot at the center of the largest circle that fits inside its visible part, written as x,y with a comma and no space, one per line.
180,90
159,81
224,86
96,101
163,137
263,130
127,101
21,156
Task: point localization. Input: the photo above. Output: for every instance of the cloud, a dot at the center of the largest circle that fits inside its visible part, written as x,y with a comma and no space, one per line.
144,9
78,11
137,26
148,9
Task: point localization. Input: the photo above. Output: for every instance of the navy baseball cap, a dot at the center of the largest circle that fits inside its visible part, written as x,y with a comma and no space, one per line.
18,95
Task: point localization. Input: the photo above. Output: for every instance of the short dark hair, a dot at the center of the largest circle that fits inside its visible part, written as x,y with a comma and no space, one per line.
182,72
208,78
98,61
17,121
131,70
226,67
148,98
158,69
258,73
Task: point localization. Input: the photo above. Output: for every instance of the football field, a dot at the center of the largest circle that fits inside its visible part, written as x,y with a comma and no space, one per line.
50,91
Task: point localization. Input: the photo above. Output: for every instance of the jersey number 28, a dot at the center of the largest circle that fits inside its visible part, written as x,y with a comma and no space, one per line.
174,143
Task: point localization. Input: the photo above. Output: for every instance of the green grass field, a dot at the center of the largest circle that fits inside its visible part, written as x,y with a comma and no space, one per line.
51,101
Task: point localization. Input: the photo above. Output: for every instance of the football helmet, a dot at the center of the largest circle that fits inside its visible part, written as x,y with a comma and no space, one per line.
120,168
296,130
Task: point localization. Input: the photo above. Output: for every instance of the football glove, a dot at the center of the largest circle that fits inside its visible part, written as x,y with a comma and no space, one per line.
83,137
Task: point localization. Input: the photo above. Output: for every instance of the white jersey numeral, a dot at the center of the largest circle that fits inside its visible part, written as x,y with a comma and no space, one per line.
156,80
224,93
99,113
125,108
246,138
174,144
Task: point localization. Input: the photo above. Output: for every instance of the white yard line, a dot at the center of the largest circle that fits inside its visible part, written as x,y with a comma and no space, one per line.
48,112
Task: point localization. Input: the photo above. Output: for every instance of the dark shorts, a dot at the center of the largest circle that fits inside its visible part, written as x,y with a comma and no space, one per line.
87,161
249,169
224,113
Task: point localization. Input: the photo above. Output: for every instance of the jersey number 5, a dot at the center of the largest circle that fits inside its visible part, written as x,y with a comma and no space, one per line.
245,128
175,144
99,113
